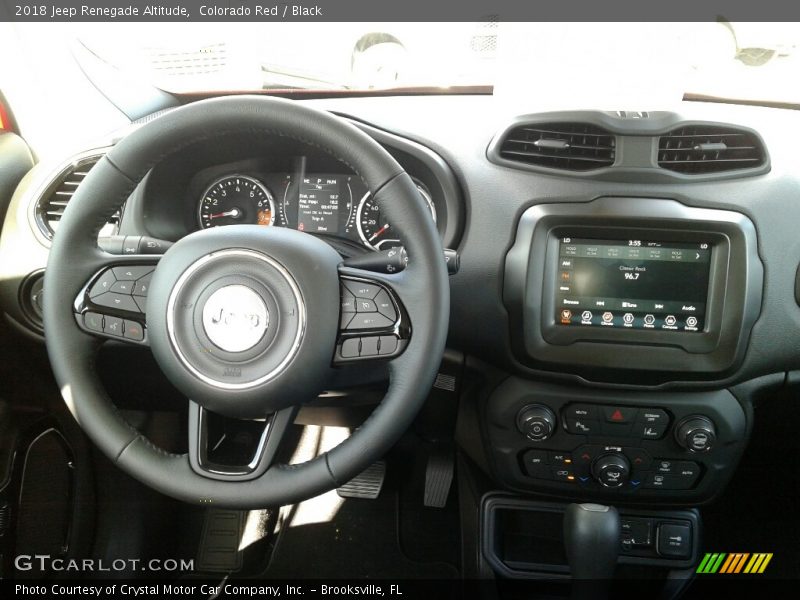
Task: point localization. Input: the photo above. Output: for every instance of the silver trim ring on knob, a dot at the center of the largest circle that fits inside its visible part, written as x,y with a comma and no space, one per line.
241,253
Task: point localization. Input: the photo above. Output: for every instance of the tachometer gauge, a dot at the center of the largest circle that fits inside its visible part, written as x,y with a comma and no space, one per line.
376,232
236,199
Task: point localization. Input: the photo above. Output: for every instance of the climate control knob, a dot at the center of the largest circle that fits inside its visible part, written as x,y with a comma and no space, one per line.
696,433
611,470
536,422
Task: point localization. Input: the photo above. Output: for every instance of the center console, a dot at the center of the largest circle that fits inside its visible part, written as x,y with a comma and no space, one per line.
625,295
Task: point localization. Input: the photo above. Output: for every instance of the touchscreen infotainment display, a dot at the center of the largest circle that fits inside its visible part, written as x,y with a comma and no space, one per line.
633,284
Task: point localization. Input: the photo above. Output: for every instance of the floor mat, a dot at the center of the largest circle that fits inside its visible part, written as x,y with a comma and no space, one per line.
360,541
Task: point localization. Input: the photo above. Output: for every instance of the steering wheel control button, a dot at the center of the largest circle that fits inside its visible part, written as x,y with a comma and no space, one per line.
696,433
131,273
350,348
133,331
235,318
675,540
369,346
362,290
385,305
141,302
365,305
118,301
142,286
123,287
348,302
113,326
536,422
102,285
369,321
611,470
387,345
93,321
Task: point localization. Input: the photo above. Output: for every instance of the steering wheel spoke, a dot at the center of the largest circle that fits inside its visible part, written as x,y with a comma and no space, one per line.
113,303
373,323
229,449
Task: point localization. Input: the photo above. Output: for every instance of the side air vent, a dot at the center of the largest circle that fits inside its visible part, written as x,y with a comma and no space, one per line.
566,146
51,205
701,149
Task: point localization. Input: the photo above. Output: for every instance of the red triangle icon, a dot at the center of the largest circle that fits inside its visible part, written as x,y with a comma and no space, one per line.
616,415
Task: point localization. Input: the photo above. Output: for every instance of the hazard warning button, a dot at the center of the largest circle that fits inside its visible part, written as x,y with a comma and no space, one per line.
619,414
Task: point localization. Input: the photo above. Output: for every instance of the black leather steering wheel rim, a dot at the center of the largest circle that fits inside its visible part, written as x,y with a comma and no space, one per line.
422,287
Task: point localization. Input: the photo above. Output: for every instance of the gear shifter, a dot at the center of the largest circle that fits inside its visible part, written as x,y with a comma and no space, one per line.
591,539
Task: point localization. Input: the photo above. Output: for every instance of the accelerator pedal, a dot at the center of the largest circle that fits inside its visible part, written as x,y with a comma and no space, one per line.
439,476
366,485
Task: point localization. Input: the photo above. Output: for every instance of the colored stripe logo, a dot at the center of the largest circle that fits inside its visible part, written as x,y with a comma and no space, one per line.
734,563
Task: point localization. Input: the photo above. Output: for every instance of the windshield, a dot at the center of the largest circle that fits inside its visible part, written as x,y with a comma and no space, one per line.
530,66
731,60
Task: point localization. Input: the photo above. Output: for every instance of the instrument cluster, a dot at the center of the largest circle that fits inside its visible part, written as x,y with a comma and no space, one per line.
322,203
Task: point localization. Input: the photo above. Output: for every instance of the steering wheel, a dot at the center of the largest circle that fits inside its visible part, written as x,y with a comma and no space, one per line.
246,321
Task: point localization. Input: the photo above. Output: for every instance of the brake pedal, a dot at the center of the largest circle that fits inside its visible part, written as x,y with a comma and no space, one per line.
219,545
366,485
439,477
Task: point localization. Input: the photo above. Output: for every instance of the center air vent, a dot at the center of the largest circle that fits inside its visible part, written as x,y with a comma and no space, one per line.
50,207
566,146
700,149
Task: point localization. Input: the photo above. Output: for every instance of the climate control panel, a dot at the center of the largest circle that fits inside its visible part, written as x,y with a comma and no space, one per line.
578,442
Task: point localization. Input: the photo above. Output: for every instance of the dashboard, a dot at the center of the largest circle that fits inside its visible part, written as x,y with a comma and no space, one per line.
668,264
624,283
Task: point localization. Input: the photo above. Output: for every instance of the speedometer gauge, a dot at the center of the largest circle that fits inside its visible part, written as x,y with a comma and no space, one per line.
375,231
236,199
